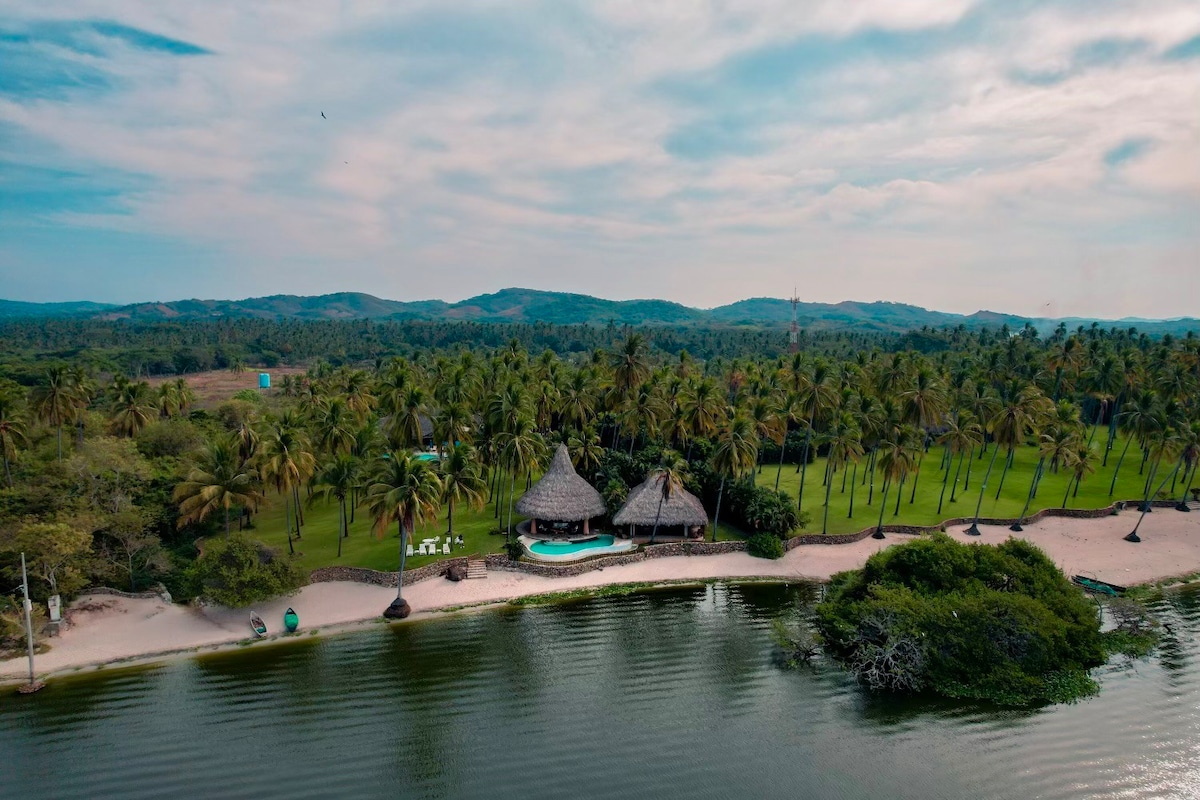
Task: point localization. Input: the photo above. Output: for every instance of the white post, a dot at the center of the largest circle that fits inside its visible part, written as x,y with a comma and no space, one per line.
28,618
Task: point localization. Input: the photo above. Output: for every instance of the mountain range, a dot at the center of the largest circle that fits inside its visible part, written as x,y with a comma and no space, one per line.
531,305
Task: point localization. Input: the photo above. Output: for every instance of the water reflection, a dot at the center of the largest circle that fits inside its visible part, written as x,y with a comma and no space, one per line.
671,693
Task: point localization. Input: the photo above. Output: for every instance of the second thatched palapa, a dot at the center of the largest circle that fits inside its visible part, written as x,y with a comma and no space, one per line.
646,507
561,498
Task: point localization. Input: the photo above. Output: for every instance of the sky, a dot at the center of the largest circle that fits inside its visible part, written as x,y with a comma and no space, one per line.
1038,158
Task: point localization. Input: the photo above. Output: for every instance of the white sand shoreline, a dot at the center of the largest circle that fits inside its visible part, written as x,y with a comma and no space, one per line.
126,631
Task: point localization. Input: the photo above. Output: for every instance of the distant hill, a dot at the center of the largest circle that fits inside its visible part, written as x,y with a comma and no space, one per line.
531,305
10,309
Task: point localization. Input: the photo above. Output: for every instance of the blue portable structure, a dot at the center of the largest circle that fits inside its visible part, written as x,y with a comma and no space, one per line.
264,380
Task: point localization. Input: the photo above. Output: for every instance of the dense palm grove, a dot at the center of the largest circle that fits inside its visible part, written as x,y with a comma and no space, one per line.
108,479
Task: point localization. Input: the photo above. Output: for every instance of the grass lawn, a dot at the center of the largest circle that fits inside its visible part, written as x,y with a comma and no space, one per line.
1093,491
318,545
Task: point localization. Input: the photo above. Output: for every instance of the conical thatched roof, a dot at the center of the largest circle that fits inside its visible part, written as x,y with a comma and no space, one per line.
561,495
642,506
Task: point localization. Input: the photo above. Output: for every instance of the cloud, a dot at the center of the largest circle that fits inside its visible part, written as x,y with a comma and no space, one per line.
945,153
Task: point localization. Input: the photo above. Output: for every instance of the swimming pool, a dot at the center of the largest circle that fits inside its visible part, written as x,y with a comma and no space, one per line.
427,457
573,551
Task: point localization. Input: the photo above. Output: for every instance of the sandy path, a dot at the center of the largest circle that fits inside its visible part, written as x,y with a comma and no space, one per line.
126,629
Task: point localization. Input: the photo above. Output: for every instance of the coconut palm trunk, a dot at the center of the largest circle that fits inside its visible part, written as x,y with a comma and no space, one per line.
916,477
1133,535
782,450
804,462
1008,460
882,507
511,490
853,481
1117,470
957,472
945,480
825,516
1037,472
400,574
717,513
341,526
974,529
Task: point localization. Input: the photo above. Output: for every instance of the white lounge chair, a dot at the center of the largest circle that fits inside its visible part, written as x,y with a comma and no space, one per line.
446,549
408,551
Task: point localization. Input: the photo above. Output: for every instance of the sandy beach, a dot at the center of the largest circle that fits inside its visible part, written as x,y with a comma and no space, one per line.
109,629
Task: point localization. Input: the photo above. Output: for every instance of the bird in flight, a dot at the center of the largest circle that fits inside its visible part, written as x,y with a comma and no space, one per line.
323,115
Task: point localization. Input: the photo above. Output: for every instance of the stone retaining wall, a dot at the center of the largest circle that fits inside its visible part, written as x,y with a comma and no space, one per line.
669,549
411,576
155,592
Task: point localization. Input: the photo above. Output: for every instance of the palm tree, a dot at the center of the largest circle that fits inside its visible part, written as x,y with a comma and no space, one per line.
733,457
669,475
1189,440
895,461
703,407
218,479
521,449
335,425
337,481
962,434
461,481
586,451
1139,421
12,435
452,426
133,409
55,399
1009,426
814,397
286,462
404,490
405,427
768,425
629,365
845,445
1082,464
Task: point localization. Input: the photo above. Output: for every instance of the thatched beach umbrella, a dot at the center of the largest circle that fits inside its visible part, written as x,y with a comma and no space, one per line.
646,506
561,495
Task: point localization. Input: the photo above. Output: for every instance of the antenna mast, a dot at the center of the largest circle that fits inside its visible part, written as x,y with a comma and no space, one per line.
794,333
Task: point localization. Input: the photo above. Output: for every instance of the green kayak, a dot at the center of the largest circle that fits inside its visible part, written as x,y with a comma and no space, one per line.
291,620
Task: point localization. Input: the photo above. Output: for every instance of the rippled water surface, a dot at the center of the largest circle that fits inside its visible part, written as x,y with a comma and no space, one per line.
667,694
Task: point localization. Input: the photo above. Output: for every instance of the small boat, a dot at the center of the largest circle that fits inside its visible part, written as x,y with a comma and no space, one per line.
291,620
257,625
1097,586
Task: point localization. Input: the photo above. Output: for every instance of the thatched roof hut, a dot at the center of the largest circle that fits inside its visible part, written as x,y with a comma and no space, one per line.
642,507
561,495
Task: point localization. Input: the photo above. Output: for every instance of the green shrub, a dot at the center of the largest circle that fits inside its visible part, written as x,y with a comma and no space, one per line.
999,623
236,571
173,438
248,396
514,550
765,545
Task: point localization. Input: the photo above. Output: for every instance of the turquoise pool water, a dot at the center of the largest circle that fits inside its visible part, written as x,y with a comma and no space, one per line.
567,548
427,457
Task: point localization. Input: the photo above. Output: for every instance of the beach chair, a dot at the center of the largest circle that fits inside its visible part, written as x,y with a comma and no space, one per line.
446,549
408,551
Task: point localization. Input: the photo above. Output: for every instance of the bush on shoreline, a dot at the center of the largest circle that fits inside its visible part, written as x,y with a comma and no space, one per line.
997,623
236,571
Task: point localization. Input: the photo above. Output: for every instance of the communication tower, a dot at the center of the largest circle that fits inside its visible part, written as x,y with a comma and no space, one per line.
794,333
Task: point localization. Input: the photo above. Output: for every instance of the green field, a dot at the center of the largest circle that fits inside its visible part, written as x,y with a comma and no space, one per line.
318,544
318,547
1093,491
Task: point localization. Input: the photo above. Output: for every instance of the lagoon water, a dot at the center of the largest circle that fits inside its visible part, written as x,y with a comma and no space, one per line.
664,694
